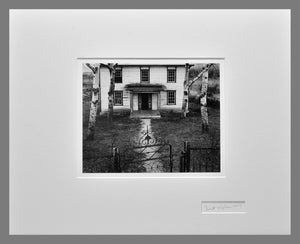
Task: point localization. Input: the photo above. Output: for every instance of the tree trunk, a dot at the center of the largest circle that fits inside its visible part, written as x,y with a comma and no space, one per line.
111,94
185,101
94,102
112,70
203,93
203,100
99,89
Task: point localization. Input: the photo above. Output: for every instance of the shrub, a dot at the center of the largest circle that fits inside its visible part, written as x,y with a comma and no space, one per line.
212,102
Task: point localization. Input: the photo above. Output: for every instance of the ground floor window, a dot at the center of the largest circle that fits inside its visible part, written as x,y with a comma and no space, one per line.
171,97
118,98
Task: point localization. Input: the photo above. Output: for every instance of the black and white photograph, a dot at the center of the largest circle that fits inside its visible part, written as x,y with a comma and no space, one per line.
151,117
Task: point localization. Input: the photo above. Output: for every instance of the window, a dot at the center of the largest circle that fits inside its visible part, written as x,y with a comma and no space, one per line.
145,75
118,75
118,98
171,75
171,97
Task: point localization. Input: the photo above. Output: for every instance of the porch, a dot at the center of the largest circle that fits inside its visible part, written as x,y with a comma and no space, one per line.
145,114
144,98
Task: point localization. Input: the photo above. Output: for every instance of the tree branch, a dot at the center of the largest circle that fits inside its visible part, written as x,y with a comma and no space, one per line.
110,66
199,75
93,68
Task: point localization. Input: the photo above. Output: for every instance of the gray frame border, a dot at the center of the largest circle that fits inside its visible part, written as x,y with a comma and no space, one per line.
5,5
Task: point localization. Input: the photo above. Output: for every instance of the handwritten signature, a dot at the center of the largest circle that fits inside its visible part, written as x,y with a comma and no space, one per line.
217,206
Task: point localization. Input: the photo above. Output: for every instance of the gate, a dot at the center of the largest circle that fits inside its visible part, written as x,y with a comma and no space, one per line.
199,158
146,154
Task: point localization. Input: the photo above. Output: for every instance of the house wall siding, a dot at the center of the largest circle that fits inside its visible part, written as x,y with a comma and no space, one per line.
158,75
176,86
131,74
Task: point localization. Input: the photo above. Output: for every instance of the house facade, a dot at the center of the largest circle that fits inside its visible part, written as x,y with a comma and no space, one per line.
144,87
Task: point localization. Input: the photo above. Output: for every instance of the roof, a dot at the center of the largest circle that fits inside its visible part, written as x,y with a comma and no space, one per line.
120,64
142,87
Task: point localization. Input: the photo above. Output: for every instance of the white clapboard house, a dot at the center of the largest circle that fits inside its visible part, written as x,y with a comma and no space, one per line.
156,87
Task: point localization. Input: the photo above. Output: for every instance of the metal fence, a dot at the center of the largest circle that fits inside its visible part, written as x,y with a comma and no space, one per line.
199,159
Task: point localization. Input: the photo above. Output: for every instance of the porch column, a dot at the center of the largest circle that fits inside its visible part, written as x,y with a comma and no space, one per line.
154,101
131,101
158,101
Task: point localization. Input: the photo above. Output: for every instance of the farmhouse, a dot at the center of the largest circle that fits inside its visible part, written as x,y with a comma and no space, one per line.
149,87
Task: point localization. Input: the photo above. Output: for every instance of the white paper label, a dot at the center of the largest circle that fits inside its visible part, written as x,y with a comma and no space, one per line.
223,207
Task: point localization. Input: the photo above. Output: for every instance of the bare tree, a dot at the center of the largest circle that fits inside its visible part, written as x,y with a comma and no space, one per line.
203,93
112,71
203,100
96,97
186,86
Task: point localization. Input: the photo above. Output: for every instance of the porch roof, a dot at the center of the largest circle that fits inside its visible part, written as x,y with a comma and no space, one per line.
145,87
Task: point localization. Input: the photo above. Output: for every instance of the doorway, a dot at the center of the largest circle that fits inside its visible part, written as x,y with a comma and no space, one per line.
145,101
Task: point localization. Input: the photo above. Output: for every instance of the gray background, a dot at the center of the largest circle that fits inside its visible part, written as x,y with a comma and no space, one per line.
55,202
136,239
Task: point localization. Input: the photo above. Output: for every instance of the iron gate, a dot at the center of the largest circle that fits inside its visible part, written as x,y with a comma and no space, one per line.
146,154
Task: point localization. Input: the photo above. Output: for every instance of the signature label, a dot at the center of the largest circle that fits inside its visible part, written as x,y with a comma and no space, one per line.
223,207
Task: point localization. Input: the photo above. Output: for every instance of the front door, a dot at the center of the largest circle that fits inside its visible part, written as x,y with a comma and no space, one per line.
145,101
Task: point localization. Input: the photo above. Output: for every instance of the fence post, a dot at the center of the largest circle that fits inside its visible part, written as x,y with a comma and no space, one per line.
171,158
116,159
181,162
187,156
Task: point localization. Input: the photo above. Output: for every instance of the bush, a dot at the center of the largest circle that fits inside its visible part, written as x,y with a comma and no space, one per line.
214,103
194,99
213,89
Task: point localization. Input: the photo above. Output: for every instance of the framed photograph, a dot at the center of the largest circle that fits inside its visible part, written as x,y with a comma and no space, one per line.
148,122
147,116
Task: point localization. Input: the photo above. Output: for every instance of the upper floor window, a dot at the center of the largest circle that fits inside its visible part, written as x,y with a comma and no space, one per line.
145,74
118,98
118,75
171,97
171,75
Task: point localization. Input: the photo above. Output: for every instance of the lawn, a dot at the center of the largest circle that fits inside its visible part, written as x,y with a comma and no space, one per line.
122,132
177,130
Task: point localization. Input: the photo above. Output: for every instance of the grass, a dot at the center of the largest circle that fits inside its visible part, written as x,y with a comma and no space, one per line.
121,131
177,130
97,154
